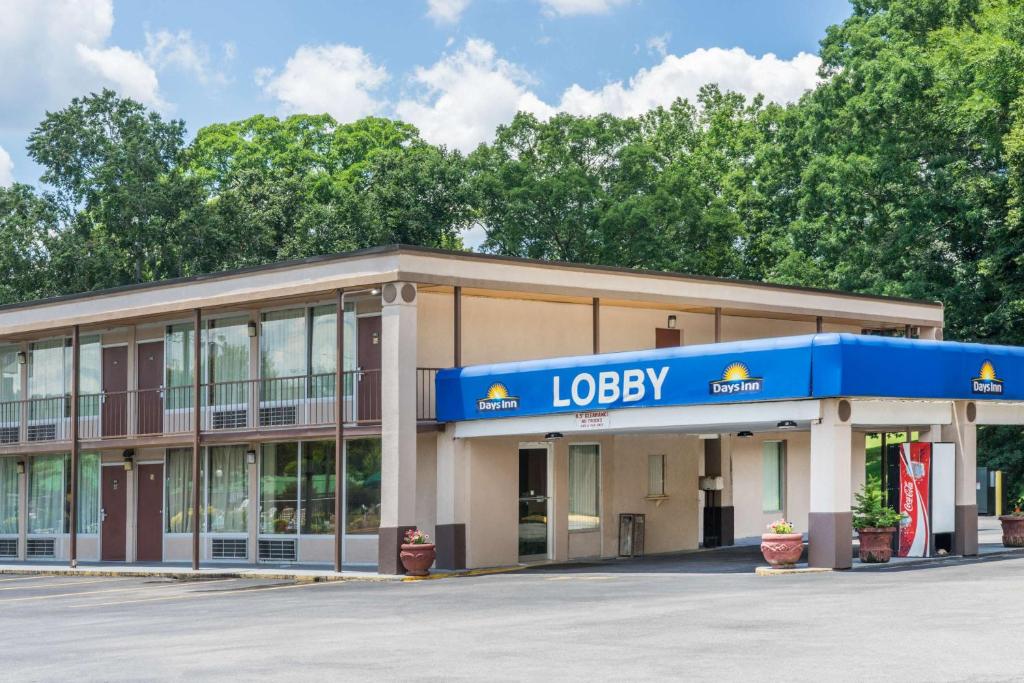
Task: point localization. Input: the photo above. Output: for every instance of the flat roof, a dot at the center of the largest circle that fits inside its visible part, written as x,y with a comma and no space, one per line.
781,368
469,255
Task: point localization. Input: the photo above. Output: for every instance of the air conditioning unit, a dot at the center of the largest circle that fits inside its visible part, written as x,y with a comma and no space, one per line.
9,435
277,416
40,547
43,432
277,550
229,419
230,549
8,547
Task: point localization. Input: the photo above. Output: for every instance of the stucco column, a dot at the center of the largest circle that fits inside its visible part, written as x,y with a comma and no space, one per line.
452,499
830,521
398,422
962,432
719,516
23,511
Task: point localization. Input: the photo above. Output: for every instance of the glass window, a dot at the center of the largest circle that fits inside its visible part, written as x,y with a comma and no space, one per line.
773,476
8,495
584,487
10,374
283,355
655,475
46,379
88,492
90,384
178,365
228,493
362,486
279,488
227,351
46,494
179,490
318,484
323,350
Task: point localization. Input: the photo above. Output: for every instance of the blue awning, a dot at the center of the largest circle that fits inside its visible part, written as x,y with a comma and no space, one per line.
782,368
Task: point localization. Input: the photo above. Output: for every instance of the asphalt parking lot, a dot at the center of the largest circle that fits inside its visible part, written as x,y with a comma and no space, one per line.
957,621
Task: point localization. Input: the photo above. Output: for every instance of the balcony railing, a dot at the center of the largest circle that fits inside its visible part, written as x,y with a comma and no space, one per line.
248,405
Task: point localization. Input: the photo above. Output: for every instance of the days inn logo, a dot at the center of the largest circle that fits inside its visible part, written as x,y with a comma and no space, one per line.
497,400
986,382
736,379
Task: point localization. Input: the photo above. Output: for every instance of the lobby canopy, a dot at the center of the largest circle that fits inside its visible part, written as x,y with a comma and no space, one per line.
784,368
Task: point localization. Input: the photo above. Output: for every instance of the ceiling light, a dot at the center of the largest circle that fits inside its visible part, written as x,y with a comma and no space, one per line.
745,434
787,424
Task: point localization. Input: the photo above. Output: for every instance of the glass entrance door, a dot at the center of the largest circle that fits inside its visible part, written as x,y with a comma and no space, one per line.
533,503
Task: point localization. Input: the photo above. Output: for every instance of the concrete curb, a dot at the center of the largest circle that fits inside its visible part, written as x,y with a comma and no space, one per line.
776,571
468,572
188,575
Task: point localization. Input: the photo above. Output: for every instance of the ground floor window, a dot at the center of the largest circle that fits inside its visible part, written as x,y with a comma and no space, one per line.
584,487
49,494
8,495
318,486
773,476
279,488
178,508
227,491
362,486
656,475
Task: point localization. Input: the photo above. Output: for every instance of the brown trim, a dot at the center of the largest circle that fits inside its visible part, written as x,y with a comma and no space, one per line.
389,542
965,536
830,543
596,305
73,521
339,425
718,325
463,255
197,413
819,324
450,540
457,327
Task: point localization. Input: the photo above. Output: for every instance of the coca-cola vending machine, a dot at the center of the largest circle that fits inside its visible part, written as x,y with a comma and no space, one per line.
921,487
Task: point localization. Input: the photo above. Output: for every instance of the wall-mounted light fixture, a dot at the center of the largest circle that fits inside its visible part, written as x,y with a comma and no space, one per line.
787,424
21,467
22,357
250,456
550,436
375,292
745,434
128,456
251,328
671,322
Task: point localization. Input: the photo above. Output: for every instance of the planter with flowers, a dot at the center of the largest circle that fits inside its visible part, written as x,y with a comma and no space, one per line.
782,547
1013,526
875,524
418,553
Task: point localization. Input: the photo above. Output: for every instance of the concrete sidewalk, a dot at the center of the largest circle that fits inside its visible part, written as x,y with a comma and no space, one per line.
184,572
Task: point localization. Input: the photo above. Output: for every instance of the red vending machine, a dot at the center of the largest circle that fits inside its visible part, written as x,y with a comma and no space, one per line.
921,488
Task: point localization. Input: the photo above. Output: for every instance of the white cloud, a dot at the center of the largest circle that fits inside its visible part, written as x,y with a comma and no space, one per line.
166,49
337,79
467,94
777,79
446,11
570,8
6,168
53,51
658,44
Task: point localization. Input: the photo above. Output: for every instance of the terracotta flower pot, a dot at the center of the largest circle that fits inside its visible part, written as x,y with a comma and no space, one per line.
1013,530
782,550
876,543
417,558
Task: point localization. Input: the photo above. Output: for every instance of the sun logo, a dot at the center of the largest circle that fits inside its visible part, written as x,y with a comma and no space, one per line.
987,382
736,379
497,398
735,372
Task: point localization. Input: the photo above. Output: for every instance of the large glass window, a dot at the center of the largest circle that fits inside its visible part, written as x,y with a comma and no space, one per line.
228,492
773,476
584,487
178,509
279,488
317,488
90,378
179,362
46,494
10,374
227,350
283,354
8,495
88,493
656,475
46,379
362,486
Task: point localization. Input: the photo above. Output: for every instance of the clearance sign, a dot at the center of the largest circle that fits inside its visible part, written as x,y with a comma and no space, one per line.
784,368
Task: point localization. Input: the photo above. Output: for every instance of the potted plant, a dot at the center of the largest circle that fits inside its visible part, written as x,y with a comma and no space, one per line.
781,547
418,553
1013,526
875,524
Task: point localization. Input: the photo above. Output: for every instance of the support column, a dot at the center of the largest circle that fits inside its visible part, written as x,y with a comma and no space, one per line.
962,432
719,515
457,328
596,325
398,422
197,414
830,520
73,515
718,325
452,499
339,429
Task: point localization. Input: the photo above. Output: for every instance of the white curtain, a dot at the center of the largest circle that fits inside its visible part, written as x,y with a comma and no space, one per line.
227,358
772,477
283,354
89,493
178,510
8,495
178,361
228,492
46,494
584,487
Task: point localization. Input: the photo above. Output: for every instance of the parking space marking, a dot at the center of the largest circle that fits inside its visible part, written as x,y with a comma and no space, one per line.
21,587
22,578
79,593
200,594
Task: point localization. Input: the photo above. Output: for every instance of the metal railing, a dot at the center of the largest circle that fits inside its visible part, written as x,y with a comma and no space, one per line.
245,405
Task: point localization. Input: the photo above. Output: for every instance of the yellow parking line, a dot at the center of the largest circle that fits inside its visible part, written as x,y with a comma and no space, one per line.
198,594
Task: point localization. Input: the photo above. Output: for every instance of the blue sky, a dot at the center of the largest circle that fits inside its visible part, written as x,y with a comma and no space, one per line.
455,68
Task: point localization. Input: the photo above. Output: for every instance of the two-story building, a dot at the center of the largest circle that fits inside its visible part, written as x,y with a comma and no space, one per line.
232,379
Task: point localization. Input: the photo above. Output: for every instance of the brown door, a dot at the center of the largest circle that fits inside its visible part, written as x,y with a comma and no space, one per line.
113,515
151,374
368,381
149,520
115,386
665,338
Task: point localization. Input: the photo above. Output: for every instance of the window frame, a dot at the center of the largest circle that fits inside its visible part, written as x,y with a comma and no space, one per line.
780,454
664,462
598,486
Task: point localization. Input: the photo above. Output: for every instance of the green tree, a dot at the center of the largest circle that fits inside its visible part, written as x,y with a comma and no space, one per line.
25,222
